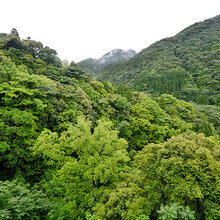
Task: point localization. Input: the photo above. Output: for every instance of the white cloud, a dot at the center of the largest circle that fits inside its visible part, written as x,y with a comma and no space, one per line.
79,29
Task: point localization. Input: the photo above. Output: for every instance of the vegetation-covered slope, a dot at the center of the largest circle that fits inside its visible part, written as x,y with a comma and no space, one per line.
75,148
93,66
186,65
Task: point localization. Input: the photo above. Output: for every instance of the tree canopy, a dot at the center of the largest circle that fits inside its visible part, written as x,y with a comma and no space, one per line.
72,147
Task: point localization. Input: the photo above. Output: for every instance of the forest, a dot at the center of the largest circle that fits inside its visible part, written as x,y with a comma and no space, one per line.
75,148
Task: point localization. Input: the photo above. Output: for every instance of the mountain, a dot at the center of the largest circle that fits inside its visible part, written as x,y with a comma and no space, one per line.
116,56
74,148
186,65
96,66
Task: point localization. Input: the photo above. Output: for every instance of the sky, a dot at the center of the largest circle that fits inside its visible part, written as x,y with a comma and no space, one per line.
80,29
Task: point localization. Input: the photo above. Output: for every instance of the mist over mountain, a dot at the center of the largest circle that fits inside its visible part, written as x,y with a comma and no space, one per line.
96,66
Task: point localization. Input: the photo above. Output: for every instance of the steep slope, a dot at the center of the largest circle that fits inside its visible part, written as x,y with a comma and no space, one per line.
96,66
186,65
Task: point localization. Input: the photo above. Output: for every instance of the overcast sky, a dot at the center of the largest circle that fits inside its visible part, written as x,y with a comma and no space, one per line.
79,29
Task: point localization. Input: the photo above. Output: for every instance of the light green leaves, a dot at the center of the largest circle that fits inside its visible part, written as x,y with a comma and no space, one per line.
175,211
86,161
186,170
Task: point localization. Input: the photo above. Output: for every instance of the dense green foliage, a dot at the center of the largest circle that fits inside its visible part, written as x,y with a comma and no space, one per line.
213,114
186,65
19,202
75,148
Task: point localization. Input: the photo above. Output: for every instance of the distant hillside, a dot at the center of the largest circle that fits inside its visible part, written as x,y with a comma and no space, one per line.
186,65
96,66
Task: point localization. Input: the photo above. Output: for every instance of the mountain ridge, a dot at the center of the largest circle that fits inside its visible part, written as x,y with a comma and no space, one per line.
185,65
96,66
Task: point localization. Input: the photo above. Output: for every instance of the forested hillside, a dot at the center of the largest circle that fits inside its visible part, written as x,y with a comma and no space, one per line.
186,65
75,148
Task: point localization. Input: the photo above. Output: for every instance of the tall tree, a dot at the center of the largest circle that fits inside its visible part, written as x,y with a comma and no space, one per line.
87,162
15,32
